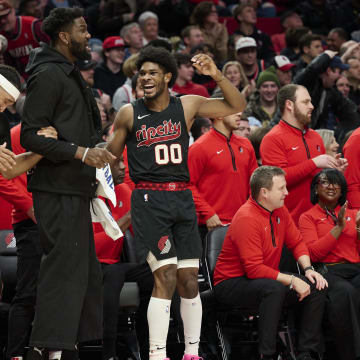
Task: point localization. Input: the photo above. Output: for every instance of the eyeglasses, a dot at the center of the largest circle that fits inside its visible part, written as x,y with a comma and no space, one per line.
325,184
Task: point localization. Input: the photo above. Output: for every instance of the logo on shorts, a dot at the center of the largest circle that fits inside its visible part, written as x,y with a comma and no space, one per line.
164,245
241,149
10,240
146,197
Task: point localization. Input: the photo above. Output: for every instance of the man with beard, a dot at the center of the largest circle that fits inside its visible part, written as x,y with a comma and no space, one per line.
155,130
68,304
295,148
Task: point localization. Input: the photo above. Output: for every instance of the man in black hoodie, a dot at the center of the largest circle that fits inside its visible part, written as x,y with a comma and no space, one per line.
68,305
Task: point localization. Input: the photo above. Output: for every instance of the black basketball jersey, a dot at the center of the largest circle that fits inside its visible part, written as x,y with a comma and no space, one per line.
157,146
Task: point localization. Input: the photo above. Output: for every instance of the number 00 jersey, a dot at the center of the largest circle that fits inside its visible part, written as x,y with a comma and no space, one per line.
158,144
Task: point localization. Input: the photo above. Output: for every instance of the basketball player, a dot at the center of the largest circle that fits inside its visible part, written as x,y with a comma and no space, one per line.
155,130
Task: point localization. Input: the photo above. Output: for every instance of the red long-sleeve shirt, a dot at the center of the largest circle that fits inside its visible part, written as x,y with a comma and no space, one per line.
352,173
315,227
14,191
107,250
293,150
249,247
220,170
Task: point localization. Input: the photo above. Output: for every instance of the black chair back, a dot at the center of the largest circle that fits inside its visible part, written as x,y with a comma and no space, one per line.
129,248
213,244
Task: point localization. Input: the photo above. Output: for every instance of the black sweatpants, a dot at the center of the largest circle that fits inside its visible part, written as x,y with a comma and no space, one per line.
343,308
268,297
22,307
69,296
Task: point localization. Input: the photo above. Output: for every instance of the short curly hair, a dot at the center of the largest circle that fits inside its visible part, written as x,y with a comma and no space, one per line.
60,19
333,176
160,56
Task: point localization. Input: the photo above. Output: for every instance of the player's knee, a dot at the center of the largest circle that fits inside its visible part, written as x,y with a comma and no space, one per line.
188,282
165,278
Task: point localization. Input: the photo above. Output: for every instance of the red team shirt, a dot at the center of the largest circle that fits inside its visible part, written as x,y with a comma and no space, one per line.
249,248
220,169
292,150
315,227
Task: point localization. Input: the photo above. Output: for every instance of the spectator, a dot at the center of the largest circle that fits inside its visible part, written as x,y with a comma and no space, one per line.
318,15
247,270
149,24
114,14
215,33
353,76
246,51
310,47
245,15
31,8
283,68
336,38
244,128
343,85
173,16
292,39
351,152
347,15
185,72
233,38
123,95
219,156
331,146
87,70
289,20
133,38
319,78
200,127
263,104
23,34
349,49
96,50
235,73
331,234
298,150
192,36
255,138
109,75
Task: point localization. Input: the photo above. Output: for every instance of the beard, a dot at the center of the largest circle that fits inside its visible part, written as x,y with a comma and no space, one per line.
79,50
300,117
158,92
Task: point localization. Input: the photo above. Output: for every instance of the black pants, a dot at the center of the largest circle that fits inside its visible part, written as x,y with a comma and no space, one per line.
69,295
114,276
343,308
22,307
268,297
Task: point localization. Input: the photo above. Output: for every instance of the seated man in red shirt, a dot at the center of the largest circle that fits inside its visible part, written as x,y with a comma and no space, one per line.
247,271
115,273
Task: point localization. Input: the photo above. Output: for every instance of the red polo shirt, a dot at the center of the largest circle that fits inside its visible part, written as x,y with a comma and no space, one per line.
220,170
352,173
249,247
292,150
191,88
315,227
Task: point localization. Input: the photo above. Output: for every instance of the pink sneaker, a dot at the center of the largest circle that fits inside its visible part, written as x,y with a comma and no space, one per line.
191,357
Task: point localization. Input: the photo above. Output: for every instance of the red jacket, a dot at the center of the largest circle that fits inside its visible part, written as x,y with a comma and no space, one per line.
352,173
107,250
191,88
220,171
249,248
292,150
14,191
315,227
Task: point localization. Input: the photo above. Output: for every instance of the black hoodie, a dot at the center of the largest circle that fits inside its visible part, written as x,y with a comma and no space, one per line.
58,96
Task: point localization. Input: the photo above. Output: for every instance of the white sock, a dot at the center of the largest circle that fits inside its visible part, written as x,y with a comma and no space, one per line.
55,355
191,314
158,315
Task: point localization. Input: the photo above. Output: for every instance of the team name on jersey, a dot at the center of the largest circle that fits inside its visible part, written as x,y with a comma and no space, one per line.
20,51
151,135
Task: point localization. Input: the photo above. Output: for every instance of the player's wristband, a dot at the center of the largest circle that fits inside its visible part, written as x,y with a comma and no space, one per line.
85,153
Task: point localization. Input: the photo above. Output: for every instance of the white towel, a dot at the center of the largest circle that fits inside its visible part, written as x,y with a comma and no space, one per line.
98,209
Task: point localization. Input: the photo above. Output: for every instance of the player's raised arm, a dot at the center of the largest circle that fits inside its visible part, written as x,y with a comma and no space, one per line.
122,126
232,102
